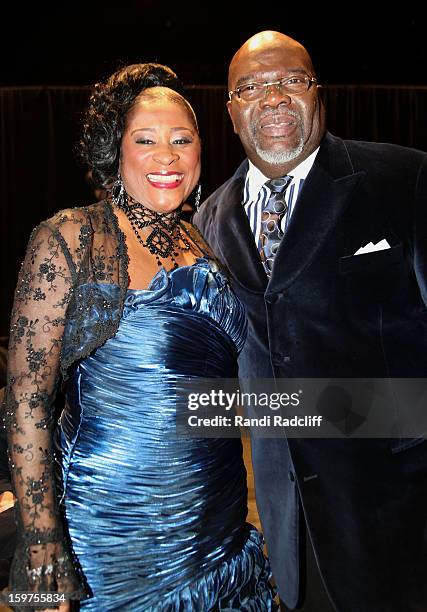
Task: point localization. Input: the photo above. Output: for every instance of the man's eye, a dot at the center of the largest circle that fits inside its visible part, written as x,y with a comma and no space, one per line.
250,87
294,80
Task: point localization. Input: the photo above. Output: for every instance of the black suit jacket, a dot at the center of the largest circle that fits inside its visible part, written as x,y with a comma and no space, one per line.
328,313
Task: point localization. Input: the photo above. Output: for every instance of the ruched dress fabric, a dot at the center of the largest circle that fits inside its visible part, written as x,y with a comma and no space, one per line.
158,522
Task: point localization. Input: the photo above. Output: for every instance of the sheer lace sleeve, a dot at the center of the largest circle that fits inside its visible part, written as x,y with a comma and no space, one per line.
43,559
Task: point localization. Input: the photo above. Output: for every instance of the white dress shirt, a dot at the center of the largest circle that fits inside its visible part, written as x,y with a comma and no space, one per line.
256,194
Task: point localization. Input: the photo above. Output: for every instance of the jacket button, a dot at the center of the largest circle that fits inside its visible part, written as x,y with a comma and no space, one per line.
291,476
272,298
279,358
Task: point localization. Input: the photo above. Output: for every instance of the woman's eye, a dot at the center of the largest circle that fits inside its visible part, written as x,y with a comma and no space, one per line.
144,141
181,141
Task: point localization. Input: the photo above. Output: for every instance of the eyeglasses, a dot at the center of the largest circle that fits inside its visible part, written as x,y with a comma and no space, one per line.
289,85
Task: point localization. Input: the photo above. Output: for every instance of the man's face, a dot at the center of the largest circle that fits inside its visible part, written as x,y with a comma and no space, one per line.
279,130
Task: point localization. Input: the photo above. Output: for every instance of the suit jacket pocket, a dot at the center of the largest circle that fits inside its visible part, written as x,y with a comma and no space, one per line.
371,263
373,278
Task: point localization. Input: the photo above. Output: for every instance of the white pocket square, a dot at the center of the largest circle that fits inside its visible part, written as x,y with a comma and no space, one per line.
370,247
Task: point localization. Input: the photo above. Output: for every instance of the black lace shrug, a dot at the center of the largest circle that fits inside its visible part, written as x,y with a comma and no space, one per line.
69,260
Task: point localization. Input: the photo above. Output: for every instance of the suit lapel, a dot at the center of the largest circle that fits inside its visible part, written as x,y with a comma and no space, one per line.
327,191
325,195
235,239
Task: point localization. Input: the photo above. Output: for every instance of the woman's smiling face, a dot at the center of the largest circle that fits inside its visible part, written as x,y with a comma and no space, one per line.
160,150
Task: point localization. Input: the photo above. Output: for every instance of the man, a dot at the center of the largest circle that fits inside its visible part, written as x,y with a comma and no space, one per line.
345,520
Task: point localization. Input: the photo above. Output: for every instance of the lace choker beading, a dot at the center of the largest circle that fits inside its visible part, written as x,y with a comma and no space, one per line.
166,238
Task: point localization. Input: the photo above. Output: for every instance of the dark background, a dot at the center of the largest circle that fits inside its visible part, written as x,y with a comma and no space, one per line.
76,42
372,63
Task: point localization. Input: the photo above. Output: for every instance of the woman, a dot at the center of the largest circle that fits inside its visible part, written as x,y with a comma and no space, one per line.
123,299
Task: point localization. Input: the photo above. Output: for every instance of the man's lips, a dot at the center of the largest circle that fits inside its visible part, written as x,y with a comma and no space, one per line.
278,125
166,180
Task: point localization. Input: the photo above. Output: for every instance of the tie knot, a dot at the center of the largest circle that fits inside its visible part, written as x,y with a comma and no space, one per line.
278,185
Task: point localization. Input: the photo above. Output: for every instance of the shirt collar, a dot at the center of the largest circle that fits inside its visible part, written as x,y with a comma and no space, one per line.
256,179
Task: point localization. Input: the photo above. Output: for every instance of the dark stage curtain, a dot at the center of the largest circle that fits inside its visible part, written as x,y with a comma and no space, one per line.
40,125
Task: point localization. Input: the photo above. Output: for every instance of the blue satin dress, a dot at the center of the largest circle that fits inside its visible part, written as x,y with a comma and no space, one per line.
157,522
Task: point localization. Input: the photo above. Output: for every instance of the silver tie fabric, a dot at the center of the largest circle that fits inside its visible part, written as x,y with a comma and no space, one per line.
272,213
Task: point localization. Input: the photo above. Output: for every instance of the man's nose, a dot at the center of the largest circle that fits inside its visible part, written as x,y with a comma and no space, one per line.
274,96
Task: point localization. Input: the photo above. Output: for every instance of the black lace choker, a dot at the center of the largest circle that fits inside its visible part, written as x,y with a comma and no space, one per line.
164,240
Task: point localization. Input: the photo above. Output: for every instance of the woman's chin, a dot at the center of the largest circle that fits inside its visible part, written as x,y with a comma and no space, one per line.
163,207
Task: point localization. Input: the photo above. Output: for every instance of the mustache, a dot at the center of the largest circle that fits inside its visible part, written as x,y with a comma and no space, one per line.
279,113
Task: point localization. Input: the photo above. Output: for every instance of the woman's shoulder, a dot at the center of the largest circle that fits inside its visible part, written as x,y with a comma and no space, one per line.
77,222
195,235
73,228
76,217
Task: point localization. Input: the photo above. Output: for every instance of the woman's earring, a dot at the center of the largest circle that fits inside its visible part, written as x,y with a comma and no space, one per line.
197,196
118,191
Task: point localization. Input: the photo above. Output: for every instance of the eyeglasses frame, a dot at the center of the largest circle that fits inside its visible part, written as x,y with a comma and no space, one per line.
266,86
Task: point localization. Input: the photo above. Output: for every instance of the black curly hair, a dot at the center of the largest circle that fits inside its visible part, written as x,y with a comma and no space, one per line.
104,119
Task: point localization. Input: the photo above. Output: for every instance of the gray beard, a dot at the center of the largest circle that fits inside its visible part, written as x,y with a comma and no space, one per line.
278,158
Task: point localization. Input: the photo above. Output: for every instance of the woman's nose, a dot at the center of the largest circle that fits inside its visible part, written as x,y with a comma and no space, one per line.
165,155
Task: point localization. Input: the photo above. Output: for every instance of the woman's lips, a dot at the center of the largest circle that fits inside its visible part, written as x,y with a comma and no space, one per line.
169,180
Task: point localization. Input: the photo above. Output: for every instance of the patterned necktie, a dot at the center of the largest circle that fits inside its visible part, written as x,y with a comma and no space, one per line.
271,216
